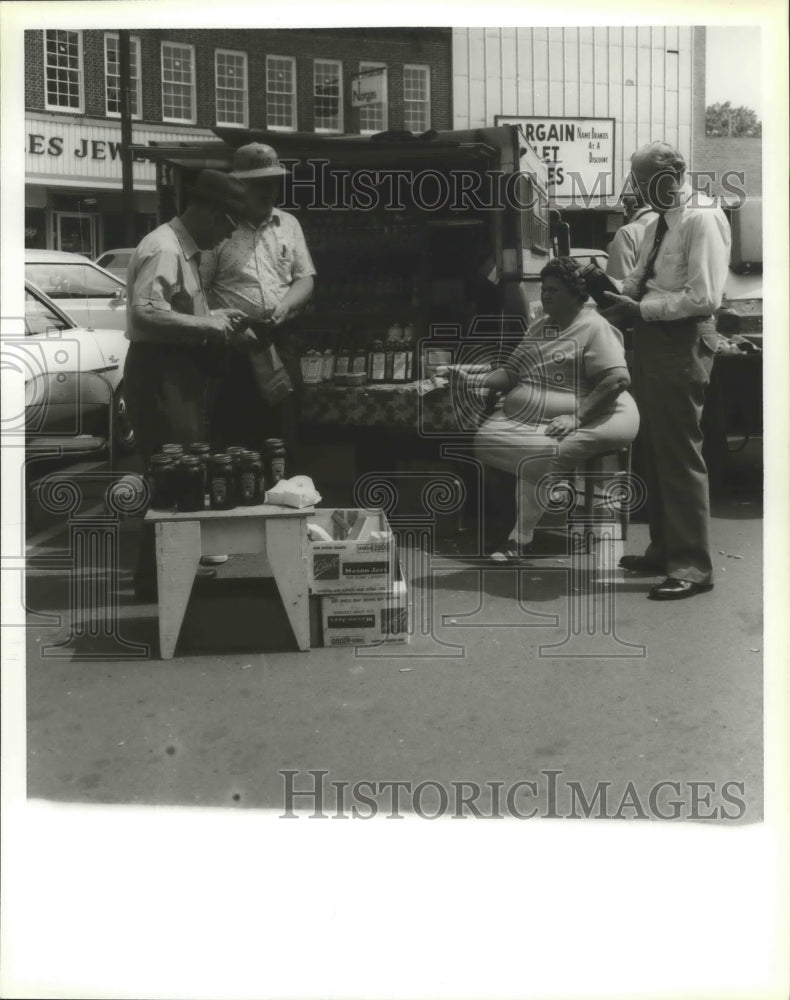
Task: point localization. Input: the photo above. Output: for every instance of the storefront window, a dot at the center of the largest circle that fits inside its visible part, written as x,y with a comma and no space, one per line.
63,70
328,95
281,92
112,71
416,98
373,117
230,74
178,83
35,229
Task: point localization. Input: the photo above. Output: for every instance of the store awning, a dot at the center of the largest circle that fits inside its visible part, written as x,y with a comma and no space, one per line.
383,151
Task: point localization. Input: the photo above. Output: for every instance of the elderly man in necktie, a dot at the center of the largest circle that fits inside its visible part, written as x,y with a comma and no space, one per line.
671,296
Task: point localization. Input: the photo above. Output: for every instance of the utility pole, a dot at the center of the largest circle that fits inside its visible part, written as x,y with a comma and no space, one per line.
125,69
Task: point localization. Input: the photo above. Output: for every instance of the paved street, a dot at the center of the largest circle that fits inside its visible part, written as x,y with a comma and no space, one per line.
473,698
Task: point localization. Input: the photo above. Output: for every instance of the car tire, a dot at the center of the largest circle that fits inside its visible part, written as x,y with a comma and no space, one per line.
123,432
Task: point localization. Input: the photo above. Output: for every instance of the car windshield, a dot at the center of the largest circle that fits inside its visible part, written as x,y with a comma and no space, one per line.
72,281
40,318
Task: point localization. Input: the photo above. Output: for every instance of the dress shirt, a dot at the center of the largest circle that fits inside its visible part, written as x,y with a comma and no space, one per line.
255,267
624,248
164,274
692,262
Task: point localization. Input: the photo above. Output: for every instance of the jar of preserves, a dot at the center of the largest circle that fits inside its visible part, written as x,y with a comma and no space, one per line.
274,467
203,451
160,481
221,482
235,450
174,450
250,479
188,481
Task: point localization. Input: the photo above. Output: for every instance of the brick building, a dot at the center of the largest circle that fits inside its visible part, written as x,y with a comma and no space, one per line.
186,81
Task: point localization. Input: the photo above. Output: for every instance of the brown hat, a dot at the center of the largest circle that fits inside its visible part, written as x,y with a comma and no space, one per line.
256,159
220,189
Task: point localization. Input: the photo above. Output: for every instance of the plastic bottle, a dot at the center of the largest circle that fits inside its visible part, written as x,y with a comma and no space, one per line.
312,365
359,362
377,362
342,363
328,365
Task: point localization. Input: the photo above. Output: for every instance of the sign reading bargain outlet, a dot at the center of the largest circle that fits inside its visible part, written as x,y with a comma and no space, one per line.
86,152
579,152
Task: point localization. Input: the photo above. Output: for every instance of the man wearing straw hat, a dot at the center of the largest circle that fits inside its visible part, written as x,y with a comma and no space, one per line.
265,270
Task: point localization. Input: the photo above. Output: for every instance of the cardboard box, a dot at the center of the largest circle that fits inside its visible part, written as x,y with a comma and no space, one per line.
366,619
361,558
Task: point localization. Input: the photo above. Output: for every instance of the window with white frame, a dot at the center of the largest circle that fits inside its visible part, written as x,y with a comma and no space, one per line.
373,117
63,70
230,78
328,95
178,83
280,92
416,98
112,76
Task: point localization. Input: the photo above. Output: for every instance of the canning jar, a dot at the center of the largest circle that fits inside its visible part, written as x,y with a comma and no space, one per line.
203,451
160,480
221,482
250,479
274,467
188,481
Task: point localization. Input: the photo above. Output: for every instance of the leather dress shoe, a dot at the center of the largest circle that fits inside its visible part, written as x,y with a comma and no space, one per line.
675,590
640,563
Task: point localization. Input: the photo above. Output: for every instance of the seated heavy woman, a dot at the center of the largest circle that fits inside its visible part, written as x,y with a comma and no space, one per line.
565,401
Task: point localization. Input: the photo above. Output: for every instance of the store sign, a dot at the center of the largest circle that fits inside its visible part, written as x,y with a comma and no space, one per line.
89,152
579,152
368,88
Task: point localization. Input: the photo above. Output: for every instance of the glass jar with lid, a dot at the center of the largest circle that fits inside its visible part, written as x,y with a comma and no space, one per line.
188,480
221,482
250,479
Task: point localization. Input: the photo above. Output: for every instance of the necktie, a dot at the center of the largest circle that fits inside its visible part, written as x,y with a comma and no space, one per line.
650,266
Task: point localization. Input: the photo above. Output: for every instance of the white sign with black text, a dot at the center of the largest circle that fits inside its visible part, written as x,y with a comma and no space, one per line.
579,152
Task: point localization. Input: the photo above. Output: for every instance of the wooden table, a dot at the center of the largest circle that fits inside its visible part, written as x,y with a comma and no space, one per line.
279,533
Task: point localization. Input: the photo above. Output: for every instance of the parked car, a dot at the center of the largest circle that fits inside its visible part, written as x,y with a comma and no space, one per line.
59,344
93,296
116,261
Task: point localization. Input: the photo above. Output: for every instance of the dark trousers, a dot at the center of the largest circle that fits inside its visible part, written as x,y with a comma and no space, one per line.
671,368
238,412
165,393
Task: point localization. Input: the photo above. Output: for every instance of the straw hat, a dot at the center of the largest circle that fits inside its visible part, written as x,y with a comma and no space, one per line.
256,159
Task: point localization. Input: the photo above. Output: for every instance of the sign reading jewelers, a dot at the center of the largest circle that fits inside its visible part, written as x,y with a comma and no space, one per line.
368,87
579,153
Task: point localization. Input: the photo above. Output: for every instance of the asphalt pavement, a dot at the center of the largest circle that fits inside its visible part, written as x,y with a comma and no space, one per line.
545,693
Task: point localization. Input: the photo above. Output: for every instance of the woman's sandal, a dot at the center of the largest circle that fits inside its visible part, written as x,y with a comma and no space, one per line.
511,552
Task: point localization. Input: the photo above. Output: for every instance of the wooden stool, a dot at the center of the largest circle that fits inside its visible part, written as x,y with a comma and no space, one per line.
279,533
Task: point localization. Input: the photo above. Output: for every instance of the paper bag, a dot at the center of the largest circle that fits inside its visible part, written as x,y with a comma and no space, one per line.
273,381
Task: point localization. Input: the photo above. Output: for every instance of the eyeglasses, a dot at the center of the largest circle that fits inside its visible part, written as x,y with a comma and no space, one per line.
231,220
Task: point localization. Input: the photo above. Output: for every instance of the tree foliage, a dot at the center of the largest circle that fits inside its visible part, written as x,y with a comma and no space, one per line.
724,120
